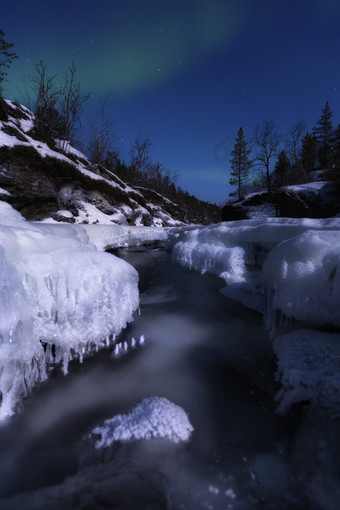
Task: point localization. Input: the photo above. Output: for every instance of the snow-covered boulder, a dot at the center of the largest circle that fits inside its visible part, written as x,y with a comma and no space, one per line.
154,417
320,199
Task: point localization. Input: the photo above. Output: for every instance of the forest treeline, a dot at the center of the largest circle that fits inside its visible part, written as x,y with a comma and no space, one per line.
294,157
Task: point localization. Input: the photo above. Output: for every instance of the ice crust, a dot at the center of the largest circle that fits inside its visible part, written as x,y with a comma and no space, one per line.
154,417
56,290
286,269
114,236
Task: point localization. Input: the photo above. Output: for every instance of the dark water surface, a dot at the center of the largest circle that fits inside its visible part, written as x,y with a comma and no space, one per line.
203,352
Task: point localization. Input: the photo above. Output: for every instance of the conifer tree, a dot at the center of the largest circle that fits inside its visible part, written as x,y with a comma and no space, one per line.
240,165
280,175
336,140
6,57
309,153
323,132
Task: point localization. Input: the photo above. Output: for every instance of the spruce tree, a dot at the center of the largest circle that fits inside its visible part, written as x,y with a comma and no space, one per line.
6,57
240,165
323,132
281,173
309,153
336,140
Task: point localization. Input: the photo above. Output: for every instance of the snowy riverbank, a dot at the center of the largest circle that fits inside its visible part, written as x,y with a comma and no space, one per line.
62,297
288,270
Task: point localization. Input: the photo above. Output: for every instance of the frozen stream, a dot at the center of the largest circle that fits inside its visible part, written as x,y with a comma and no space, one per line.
203,352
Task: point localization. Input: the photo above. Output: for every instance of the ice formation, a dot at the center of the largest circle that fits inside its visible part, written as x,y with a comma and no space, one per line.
56,290
284,268
302,276
300,261
113,236
154,417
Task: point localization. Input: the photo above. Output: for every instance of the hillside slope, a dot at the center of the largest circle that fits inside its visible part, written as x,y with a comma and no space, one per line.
43,183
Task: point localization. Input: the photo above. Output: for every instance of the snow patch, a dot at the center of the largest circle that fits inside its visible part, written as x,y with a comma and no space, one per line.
308,368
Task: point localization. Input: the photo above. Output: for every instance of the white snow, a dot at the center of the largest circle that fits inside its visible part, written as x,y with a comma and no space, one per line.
154,417
308,363
56,288
308,186
89,213
4,192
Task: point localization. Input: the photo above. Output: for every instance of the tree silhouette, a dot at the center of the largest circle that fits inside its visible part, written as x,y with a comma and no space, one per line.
267,141
323,132
240,165
6,58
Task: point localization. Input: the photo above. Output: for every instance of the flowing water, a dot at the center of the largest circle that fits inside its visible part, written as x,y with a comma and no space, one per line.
203,352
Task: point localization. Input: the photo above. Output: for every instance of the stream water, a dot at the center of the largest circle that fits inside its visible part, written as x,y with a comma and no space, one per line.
203,352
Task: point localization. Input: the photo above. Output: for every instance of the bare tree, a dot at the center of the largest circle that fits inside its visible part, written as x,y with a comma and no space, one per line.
267,142
294,148
140,153
102,136
72,104
47,95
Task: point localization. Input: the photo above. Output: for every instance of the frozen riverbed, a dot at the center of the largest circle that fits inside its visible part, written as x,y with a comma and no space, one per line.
202,352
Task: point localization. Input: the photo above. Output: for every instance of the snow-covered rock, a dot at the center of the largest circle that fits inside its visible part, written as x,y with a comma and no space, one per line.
319,199
154,417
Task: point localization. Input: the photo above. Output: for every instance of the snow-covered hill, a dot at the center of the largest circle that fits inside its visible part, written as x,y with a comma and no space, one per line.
44,183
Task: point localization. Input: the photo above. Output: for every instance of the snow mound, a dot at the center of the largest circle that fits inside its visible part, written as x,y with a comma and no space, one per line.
154,417
308,367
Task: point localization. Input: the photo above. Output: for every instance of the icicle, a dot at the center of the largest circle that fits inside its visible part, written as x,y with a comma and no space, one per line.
66,358
141,340
125,346
107,341
133,342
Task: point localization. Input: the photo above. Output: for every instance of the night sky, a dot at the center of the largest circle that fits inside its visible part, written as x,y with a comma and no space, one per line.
186,73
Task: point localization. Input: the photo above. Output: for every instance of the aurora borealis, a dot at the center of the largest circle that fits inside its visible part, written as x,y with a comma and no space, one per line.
186,73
